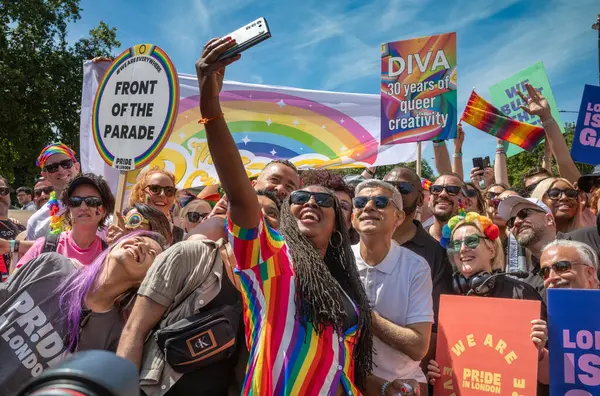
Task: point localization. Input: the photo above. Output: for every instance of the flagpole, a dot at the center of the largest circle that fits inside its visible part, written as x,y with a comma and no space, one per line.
419,159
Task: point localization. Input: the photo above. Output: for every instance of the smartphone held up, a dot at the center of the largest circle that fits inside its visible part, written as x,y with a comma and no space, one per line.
247,37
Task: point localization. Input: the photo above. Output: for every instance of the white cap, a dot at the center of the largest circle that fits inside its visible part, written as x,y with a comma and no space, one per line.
510,206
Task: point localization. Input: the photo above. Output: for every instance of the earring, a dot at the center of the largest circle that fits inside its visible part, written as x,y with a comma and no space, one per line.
339,243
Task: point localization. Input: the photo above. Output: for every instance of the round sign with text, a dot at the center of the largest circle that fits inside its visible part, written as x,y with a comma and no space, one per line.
135,107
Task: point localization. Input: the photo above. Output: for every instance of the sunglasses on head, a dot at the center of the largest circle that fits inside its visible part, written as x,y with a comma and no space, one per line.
436,189
65,164
134,220
471,241
324,200
381,202
403,188
556,193
559,267
521,214
92,202
4,191
155,189
195,217
44,190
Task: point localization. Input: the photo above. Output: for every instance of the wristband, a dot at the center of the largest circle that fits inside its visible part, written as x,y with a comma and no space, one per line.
498,151
458,155
438,143
12,245
548,122
384,387
209,119
499,147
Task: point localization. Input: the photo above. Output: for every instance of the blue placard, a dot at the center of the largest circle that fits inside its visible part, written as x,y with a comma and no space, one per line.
574,342
586,142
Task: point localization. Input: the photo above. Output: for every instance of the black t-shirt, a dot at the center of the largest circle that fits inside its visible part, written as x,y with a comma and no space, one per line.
587,235
8,231
427,247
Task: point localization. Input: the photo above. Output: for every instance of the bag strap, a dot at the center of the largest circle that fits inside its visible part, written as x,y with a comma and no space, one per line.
50,243
229,264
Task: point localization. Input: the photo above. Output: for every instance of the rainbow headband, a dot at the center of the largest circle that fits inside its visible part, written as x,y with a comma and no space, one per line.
52,149
490,230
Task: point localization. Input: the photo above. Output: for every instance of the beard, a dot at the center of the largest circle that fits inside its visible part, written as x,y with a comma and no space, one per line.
445,215
530,236
410,209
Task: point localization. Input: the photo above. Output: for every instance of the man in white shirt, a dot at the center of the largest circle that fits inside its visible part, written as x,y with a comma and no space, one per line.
397,282
59,166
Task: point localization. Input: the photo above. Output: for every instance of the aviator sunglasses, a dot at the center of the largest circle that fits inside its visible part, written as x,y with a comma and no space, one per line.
53,168
324,200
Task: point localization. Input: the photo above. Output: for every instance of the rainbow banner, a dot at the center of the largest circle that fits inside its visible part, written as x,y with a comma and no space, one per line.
485,117
313,129
418,89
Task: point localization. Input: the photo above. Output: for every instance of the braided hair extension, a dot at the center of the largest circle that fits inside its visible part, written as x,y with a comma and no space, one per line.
318,296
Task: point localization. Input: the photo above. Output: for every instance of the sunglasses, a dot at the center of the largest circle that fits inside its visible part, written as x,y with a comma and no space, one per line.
471,241
44,190
469,193
92,202
436,189
521,214
555,193
195,217
301,197
4,191
532,187
403,188
134,220
65,164
155,189
381,202
559,267
491,195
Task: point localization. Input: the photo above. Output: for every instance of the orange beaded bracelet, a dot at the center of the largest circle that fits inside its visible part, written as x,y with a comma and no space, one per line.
207,120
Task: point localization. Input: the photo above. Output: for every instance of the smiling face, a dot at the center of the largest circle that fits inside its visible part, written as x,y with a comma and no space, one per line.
62,176
470,261
278,178
83,215
371,220
314,222
160,201
444,205
533,228
202,208
579,276
134,256
41,194
492,210
563,208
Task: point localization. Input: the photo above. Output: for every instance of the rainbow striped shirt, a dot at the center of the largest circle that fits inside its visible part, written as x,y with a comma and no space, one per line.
285,358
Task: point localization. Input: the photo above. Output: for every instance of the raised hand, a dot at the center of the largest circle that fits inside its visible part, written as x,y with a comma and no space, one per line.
488,177
476,176
539,333
459,139
536,104
211,72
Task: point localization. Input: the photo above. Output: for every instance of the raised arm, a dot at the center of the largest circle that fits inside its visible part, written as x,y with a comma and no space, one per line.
244,210
538,105
457,164
500,169
441,158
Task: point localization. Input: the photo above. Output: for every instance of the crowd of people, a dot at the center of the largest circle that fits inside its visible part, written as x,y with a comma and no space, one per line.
296,282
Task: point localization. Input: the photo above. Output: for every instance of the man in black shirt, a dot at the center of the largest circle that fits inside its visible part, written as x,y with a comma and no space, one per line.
8,230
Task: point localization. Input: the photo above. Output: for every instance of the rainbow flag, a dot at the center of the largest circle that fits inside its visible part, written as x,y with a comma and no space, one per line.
485,117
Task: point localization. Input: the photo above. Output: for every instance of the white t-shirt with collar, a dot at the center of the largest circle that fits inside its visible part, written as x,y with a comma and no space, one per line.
399,289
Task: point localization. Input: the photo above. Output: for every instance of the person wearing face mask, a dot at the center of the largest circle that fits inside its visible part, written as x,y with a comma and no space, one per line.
54,306
446,197
397,282
89,202
311,320
475,251
156,187
59,166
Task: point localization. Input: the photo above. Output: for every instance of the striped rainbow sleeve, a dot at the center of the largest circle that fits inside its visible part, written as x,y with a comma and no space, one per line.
254,246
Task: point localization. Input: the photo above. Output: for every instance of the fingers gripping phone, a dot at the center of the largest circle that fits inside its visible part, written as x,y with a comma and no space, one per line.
486,162
478,163
247,37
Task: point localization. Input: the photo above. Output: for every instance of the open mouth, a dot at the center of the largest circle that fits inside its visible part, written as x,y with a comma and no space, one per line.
309,216
136,253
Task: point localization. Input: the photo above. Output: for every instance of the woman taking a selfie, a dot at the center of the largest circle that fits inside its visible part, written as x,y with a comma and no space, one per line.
308,321
563,199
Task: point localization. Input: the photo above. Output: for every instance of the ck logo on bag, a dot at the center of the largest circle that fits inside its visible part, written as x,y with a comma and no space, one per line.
201,343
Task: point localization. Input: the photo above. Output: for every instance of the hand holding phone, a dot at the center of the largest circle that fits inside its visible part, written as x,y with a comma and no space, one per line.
246,37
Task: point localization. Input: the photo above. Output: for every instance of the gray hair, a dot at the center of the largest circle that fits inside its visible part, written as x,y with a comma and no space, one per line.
374,183
585,252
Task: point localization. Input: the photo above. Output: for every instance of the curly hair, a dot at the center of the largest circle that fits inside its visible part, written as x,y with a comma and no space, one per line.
593,203
318,280
137,193
327,179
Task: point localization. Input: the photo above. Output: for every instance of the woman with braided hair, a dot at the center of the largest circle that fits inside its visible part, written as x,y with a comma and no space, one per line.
307,317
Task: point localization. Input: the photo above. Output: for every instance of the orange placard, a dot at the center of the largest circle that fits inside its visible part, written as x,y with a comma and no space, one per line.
484,348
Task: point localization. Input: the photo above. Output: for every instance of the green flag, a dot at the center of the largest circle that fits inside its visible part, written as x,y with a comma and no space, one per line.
504,96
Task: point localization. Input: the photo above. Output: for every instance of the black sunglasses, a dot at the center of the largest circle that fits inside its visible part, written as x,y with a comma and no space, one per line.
324,200
521,214
559,267
403,188
195,217
380,201
555,193
532,187
155,189
4,191
53,168
436,189
469,193
492,195
44,190
92,202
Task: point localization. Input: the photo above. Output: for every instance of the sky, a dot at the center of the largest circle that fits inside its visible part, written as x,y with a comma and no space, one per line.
335,45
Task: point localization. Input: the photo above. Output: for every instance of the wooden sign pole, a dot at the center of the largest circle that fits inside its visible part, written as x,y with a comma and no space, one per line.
122,184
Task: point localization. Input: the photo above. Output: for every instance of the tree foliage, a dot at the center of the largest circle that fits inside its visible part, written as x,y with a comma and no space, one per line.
41,77
521,163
